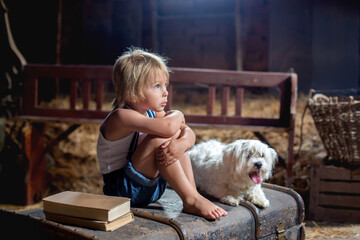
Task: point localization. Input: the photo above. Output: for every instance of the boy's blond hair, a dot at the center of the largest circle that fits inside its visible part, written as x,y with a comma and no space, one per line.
131,71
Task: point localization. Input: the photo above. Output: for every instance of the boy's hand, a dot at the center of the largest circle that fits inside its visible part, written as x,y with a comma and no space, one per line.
171,112
168,153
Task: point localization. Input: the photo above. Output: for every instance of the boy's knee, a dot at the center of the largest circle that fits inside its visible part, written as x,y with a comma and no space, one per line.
156,141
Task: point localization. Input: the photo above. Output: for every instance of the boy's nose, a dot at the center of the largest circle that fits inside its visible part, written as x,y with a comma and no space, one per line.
165,93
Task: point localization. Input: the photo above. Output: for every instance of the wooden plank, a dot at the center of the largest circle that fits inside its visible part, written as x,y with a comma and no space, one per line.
355,174
200,119
293,96
337,215
170,97
238,40
154,25
99,94
285,101
239,100
211,99
30,99
86,93
73,94
343,201
336,173
225,100
183,75
99,120
229,77
69,71
314,192
290,147
67,113
69,120
243,127
235,120
35,182
339,187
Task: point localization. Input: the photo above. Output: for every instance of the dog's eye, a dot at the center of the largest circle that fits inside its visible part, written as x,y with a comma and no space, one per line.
262,155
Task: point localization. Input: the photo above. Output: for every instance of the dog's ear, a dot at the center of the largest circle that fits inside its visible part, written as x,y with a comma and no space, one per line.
274,157
233,156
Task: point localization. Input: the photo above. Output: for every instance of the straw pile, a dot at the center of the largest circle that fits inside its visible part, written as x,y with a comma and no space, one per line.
324,230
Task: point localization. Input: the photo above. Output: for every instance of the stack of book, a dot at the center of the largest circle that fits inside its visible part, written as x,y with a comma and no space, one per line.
89,210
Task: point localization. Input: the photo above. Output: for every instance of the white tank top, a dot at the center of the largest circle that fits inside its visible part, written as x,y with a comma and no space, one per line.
112,155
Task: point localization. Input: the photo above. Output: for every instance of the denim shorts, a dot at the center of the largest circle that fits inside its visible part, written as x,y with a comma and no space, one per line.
126,182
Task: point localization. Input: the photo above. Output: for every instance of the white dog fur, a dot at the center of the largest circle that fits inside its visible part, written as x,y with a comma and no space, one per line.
233,172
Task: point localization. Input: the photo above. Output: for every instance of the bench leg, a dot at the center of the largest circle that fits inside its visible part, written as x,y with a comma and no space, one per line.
290,158
34,148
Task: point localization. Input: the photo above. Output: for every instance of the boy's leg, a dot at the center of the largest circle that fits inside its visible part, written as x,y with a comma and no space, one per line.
179,175
186,165
193,202
143,159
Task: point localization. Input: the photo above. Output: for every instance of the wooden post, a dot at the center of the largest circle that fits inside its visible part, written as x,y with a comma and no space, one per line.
58,45
238,45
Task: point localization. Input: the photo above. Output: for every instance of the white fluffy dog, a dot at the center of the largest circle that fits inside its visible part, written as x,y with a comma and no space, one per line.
233,172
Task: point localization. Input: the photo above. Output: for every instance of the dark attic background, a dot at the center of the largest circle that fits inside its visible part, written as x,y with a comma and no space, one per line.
317,39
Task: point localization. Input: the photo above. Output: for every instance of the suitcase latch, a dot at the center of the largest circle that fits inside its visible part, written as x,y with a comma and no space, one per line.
280,230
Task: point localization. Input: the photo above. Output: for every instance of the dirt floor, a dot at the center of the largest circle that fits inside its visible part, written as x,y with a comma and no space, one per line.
72,163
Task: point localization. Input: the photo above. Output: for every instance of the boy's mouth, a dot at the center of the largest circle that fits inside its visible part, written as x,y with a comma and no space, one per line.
163,104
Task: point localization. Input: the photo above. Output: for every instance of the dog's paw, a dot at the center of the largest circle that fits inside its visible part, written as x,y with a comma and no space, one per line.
230,200
261,202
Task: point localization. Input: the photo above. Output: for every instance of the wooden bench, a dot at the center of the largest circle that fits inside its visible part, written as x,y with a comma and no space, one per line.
95,79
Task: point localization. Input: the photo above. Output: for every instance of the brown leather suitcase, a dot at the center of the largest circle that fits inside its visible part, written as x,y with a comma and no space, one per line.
165,220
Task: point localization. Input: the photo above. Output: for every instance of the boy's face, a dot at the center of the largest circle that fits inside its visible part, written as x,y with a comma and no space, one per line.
155,91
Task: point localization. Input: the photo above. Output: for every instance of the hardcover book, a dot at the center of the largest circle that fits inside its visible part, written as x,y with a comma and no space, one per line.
86,205
89,223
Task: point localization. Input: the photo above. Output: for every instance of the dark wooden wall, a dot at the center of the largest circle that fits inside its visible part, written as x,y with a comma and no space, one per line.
318,39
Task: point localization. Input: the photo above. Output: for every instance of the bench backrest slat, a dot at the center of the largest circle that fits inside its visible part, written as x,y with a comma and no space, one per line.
99,94
211,99
239,100
73,93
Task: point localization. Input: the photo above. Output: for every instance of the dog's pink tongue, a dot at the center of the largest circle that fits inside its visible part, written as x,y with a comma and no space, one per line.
255,177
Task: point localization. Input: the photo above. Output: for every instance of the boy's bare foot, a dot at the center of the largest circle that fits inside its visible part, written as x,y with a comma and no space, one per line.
200,206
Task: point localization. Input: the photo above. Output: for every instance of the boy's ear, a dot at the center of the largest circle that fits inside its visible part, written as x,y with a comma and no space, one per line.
132,100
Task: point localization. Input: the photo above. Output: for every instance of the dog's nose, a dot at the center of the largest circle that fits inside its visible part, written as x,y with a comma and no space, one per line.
258,165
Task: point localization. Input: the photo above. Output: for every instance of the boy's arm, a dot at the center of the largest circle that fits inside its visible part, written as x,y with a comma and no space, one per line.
166,126
123,122
173,150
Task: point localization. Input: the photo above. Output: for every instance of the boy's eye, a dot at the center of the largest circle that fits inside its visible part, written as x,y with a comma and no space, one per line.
157,85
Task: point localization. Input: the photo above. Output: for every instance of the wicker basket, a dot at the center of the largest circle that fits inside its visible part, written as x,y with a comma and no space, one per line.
337,119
